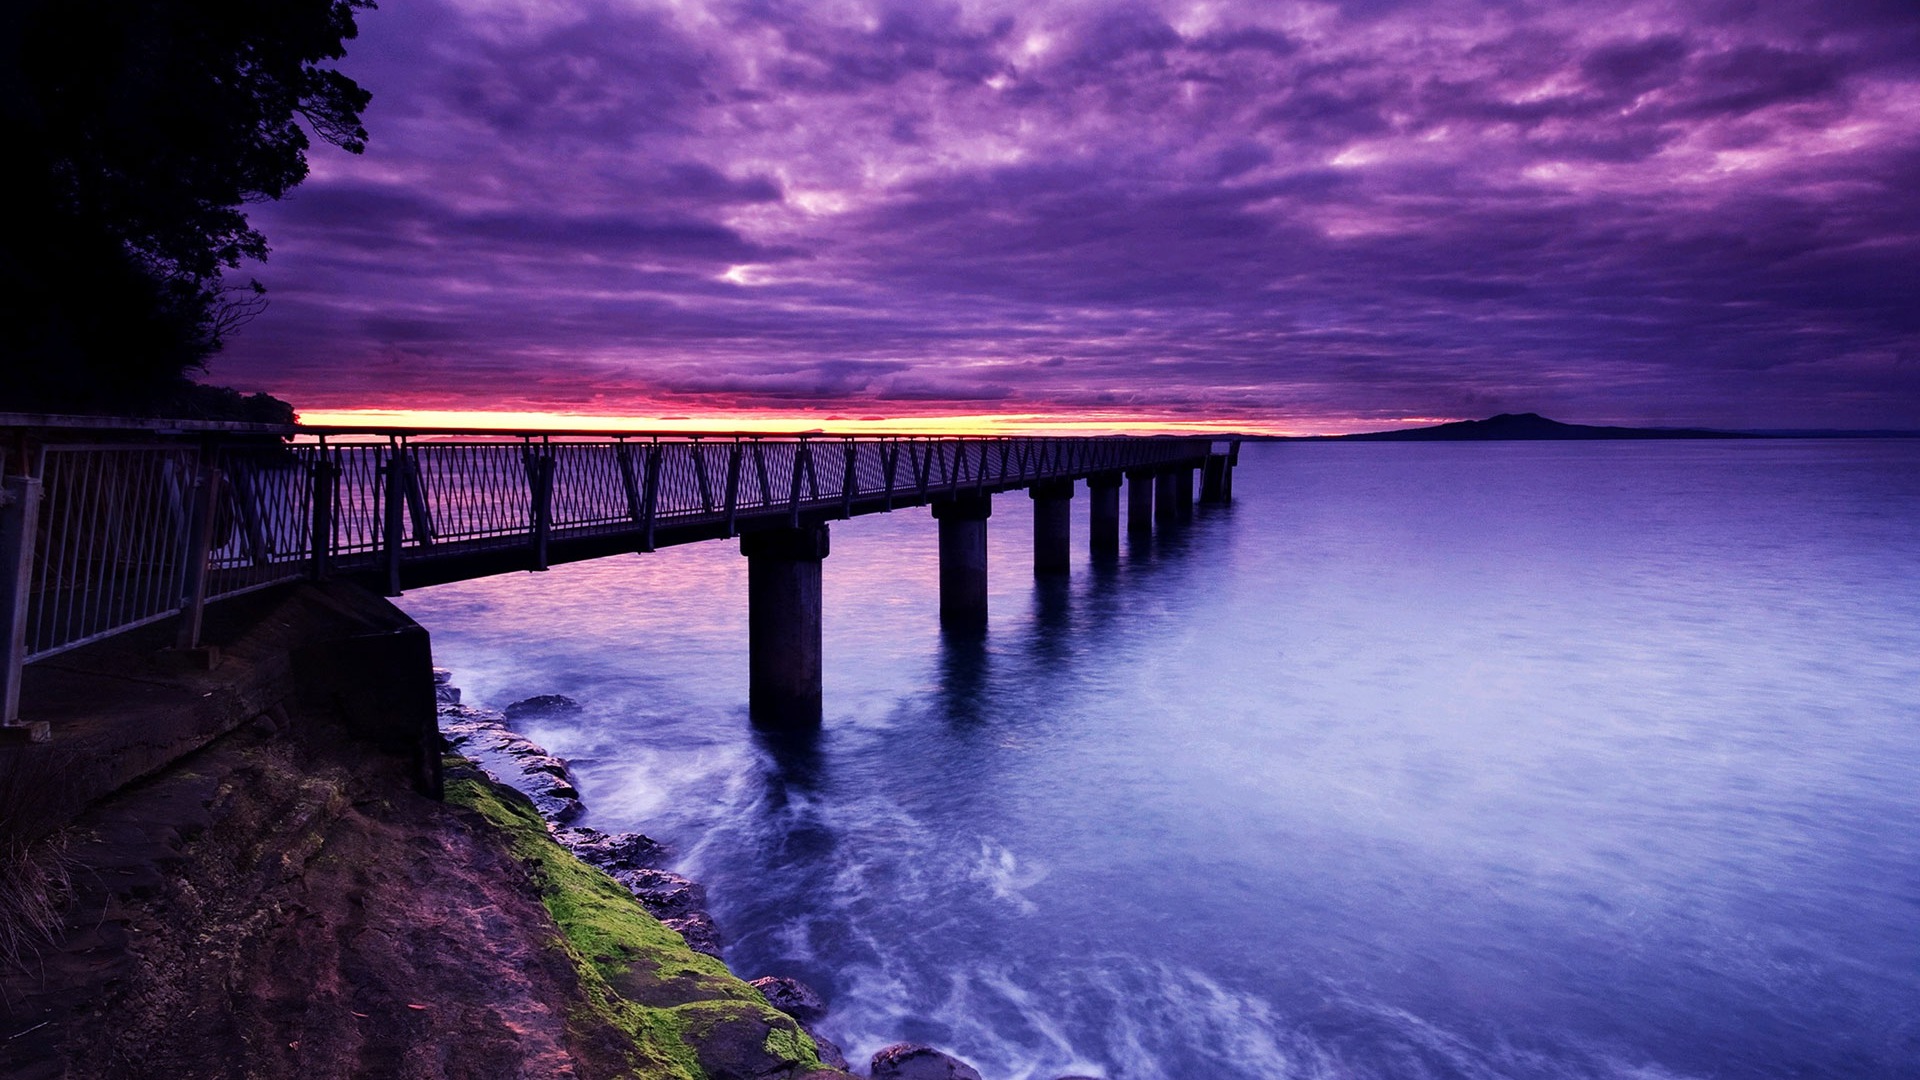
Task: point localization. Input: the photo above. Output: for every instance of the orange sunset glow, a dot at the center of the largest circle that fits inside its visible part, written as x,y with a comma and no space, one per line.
788,422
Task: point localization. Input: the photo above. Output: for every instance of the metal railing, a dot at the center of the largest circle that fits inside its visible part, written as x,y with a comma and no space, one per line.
98,537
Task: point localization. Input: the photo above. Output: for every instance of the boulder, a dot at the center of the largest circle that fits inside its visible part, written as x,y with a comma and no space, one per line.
913,1061
665,895
697,928
830,1053
542,705
613,851
462,722
482,734
733,1041
791,996
533,759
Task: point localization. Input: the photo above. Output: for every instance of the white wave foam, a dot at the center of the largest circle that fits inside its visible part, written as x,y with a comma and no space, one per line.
1003,872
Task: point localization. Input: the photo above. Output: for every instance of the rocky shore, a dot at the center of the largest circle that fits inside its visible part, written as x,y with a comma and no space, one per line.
263,865
638,862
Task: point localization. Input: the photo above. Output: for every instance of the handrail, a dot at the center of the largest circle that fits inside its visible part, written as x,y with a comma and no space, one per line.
162,426
103,536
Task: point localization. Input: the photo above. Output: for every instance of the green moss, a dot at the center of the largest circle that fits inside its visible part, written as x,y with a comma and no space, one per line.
791,1044
638,976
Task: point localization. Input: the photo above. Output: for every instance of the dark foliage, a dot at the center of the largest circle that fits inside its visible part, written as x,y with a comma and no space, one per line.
137,132
35,870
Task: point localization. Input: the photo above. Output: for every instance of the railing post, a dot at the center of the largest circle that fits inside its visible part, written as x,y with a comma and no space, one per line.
848,482
326,477
193,592
540,487
699,452
793,497
246,499
653,491
416,498
766,481
630,482
393,520
893,464
733,486
19,521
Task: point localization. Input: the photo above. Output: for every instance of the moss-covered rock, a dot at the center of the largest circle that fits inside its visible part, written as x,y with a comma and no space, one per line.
688,1017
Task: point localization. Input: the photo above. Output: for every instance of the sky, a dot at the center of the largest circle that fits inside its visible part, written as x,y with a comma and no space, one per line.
1285,217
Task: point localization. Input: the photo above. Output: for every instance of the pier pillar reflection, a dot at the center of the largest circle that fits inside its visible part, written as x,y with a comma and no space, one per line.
1103,518
963,560
1140,503
1052,526
783,624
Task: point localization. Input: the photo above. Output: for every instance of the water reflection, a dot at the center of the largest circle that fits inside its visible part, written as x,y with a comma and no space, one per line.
1052,610
795,761
964,676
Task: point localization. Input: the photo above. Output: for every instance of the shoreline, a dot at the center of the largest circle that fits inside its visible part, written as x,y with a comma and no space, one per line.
486,737
283,902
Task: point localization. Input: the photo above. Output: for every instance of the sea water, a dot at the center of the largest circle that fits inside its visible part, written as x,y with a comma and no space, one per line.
1574,760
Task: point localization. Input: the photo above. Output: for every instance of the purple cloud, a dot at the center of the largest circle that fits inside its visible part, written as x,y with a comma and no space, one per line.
1694,213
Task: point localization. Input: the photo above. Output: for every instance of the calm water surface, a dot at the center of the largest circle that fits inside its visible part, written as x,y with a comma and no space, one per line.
1500,760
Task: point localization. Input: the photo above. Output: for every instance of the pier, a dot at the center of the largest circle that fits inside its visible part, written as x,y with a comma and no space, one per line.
107,525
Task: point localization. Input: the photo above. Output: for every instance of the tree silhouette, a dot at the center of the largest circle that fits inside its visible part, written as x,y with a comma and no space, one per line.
137,132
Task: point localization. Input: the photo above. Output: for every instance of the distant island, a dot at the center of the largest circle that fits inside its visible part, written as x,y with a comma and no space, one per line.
1529,426
1533,426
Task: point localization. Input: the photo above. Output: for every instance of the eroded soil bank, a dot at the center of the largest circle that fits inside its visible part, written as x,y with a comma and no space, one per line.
283,902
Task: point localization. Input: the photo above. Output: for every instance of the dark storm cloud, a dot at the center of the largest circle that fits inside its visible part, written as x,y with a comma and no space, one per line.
1699,213
612,74
905,40
384,219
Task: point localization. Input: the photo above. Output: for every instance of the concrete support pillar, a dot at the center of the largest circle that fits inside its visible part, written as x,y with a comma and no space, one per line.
783,624
1183,495
1103,519
963,560
1213,479
1166,496
1052,526
1140,503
